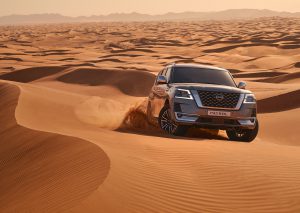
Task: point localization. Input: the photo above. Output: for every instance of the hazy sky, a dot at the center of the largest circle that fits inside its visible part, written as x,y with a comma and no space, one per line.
97,7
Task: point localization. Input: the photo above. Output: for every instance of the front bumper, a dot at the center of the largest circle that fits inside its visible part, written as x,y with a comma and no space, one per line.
188,112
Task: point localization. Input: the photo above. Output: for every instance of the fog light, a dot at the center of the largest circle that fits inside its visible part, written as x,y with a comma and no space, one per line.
246,122
186,117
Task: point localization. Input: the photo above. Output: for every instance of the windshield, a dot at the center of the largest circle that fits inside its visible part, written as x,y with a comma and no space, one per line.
201,75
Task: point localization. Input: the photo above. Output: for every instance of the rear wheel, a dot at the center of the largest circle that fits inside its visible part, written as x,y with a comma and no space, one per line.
168,125
244,135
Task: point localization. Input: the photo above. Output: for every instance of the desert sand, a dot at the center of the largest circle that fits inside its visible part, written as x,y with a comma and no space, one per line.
74,137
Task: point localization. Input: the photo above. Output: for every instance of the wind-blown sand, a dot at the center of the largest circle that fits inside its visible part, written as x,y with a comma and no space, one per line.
74,136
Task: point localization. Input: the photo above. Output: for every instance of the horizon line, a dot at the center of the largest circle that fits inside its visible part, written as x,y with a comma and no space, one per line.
141,13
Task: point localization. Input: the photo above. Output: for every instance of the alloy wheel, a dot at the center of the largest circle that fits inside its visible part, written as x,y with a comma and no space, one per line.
167,123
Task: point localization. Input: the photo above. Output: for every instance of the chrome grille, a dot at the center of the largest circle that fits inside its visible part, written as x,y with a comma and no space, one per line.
219,99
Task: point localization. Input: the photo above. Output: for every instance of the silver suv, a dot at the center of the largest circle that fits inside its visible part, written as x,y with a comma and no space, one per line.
186,95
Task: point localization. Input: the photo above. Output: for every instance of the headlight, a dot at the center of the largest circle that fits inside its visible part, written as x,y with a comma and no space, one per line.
249,99
183,94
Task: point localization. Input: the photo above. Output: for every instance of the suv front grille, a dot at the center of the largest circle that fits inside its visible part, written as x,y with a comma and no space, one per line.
219,99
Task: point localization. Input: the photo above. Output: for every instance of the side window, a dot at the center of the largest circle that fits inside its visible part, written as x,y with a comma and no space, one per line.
160,73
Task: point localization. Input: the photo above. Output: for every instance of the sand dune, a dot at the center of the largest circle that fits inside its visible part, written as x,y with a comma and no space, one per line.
74,132
116,78
195,165
44,172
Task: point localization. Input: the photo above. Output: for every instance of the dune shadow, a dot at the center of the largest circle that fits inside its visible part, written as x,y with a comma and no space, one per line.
115,60
80,65
295,46
121,55
31,74
10,59
133,50
287,101
67,59
227,48
258,74
281,78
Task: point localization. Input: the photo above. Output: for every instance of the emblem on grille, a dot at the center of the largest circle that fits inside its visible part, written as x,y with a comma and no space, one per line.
220,97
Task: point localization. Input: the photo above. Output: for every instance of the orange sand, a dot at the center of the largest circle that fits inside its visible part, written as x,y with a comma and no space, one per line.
73,131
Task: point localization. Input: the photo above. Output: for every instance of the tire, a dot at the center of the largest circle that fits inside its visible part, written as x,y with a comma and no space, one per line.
243,135
168,125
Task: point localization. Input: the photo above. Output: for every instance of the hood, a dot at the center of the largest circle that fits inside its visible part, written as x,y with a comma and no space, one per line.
209,87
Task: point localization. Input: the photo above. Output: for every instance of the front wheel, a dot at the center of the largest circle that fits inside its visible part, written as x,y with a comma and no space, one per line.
244,135
168,125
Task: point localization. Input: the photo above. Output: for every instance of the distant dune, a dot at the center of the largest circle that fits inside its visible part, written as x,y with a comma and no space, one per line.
127,17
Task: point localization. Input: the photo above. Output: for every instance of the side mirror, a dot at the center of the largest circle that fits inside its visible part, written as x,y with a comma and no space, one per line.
242,85
161,79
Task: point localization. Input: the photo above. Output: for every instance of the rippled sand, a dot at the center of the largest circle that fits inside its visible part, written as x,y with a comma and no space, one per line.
74,136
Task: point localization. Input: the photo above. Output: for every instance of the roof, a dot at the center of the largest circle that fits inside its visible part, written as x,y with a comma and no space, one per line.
198,66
